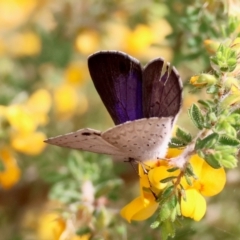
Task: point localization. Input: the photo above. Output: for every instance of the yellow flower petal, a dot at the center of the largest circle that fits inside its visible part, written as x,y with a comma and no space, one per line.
194,206
76,73
212,185
49,226
66,101
87,41
39,105
39,101
31,144
58,227
20,119
140,208
173,152
156,175
11,173
139,39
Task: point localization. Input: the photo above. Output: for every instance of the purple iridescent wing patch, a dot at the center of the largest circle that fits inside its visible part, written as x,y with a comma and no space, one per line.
118,80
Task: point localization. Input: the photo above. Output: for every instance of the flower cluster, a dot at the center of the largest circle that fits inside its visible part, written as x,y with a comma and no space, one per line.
192,202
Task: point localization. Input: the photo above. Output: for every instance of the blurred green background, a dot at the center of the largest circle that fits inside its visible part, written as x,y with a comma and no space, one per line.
52,193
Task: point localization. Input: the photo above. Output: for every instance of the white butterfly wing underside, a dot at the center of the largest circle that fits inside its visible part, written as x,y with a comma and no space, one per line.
142,139
87,140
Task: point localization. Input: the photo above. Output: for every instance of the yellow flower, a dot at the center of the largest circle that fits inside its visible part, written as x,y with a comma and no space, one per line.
142,41
139,39
203,80
30,144
68,101
20,119
15,12
24,44
50,226
39,104
87,41
24,120
76,73
211,46
140,208
11,173
194,207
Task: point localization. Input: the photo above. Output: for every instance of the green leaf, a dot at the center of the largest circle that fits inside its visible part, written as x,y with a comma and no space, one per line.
229,161
188,180
234,119
207,142
224,127
226,149
83,230
164,213
176,143
183,193
166,193
189,171
206,104
173,169
212,89
167,229
184,136
168,179
230,141
196,116
155,225
212,160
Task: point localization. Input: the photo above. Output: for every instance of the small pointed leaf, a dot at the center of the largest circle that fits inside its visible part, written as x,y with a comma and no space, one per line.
196,116
184,136
176,143
230,141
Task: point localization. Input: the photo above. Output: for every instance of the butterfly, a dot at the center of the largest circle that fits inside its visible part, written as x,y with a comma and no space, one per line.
143,102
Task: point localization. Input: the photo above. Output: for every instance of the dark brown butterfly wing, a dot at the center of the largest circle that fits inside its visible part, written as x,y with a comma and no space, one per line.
162,91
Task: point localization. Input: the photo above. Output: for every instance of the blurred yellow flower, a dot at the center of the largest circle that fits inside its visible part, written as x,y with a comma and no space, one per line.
211,45
24,120
194,206
15,12
68,101
76,73
87,41
139,39
39,104
11,173
24,44
50,226
31,143
143,41
20,119
203,80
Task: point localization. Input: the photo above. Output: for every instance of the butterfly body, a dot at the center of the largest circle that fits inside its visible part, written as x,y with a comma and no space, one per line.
143,103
